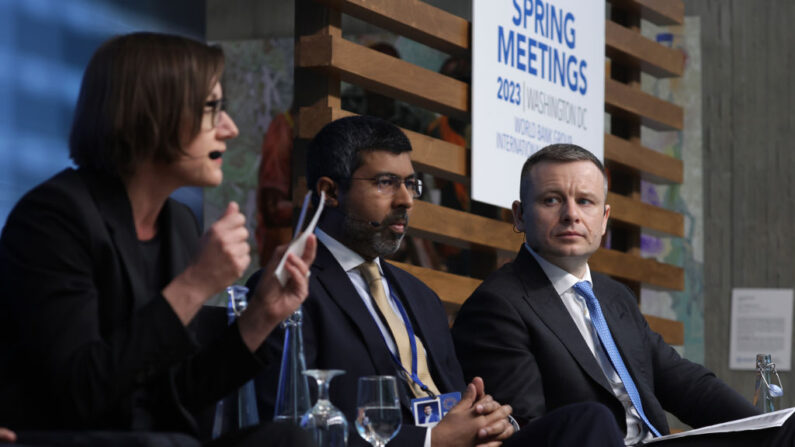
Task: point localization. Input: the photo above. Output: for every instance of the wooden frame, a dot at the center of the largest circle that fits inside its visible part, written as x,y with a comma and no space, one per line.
324,58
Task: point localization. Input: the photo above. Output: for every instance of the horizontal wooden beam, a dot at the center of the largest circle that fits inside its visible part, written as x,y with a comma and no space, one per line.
414,19
631,49
462,229
439,158
454,290
384,74
652,166
672,331
429,155
660,12
635,268
634,104
644,215
450,288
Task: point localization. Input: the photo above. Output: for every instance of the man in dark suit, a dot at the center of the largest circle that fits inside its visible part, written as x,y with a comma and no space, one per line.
352,318
545,331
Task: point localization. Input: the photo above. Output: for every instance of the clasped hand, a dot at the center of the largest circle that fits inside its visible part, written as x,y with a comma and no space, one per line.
478,420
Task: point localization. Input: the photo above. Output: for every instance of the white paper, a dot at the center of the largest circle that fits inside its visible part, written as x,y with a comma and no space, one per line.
761,323
537,79
761,422
298,244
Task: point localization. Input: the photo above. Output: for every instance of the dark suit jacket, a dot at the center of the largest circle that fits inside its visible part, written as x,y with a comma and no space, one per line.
83,344
515,332
339,333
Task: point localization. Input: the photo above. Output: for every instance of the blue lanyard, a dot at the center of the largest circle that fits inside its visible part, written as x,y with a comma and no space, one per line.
412,342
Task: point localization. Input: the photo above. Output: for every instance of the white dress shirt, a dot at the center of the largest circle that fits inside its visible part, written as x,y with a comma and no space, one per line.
564,282
349,260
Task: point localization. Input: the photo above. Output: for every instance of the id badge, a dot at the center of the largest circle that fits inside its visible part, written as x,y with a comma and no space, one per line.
428,411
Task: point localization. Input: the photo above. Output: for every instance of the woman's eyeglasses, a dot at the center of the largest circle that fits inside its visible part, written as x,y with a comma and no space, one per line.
216,107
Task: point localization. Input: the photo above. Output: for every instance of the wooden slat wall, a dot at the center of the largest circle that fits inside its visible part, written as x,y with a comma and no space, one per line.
411,18
631,49
326,52
661,12
384,74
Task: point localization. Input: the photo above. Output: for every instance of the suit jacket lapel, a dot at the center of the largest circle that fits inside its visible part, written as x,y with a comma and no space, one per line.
114,206
622,328
546,302
423,326
615,314
338,288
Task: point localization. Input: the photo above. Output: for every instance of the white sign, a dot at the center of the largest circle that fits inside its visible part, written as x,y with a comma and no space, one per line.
537,79
761,323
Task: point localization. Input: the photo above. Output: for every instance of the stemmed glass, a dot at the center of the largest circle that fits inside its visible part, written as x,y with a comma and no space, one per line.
324,421
378,416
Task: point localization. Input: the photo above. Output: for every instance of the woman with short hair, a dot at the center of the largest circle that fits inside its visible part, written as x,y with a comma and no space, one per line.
101,273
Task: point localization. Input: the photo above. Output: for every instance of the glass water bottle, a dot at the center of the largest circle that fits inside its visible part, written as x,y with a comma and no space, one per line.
765,390
292,395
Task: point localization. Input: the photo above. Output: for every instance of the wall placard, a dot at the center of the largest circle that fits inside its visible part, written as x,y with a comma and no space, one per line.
761,323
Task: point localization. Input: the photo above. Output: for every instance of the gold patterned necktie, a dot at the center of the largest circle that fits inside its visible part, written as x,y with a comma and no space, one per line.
399,331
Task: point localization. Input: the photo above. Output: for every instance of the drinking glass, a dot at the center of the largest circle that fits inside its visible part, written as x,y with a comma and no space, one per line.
324,421
378,415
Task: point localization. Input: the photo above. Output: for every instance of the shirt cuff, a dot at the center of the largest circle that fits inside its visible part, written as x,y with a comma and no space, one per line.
427,442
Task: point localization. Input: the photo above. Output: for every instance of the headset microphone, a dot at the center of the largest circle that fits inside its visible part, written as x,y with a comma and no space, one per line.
373,223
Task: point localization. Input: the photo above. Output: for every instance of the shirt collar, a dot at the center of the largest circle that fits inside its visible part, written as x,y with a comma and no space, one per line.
346,258
561,280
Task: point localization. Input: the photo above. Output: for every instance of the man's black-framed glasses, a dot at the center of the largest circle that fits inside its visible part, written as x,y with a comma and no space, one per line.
216,107
390,184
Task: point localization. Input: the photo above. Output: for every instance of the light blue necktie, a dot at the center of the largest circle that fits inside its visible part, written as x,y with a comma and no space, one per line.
599,323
